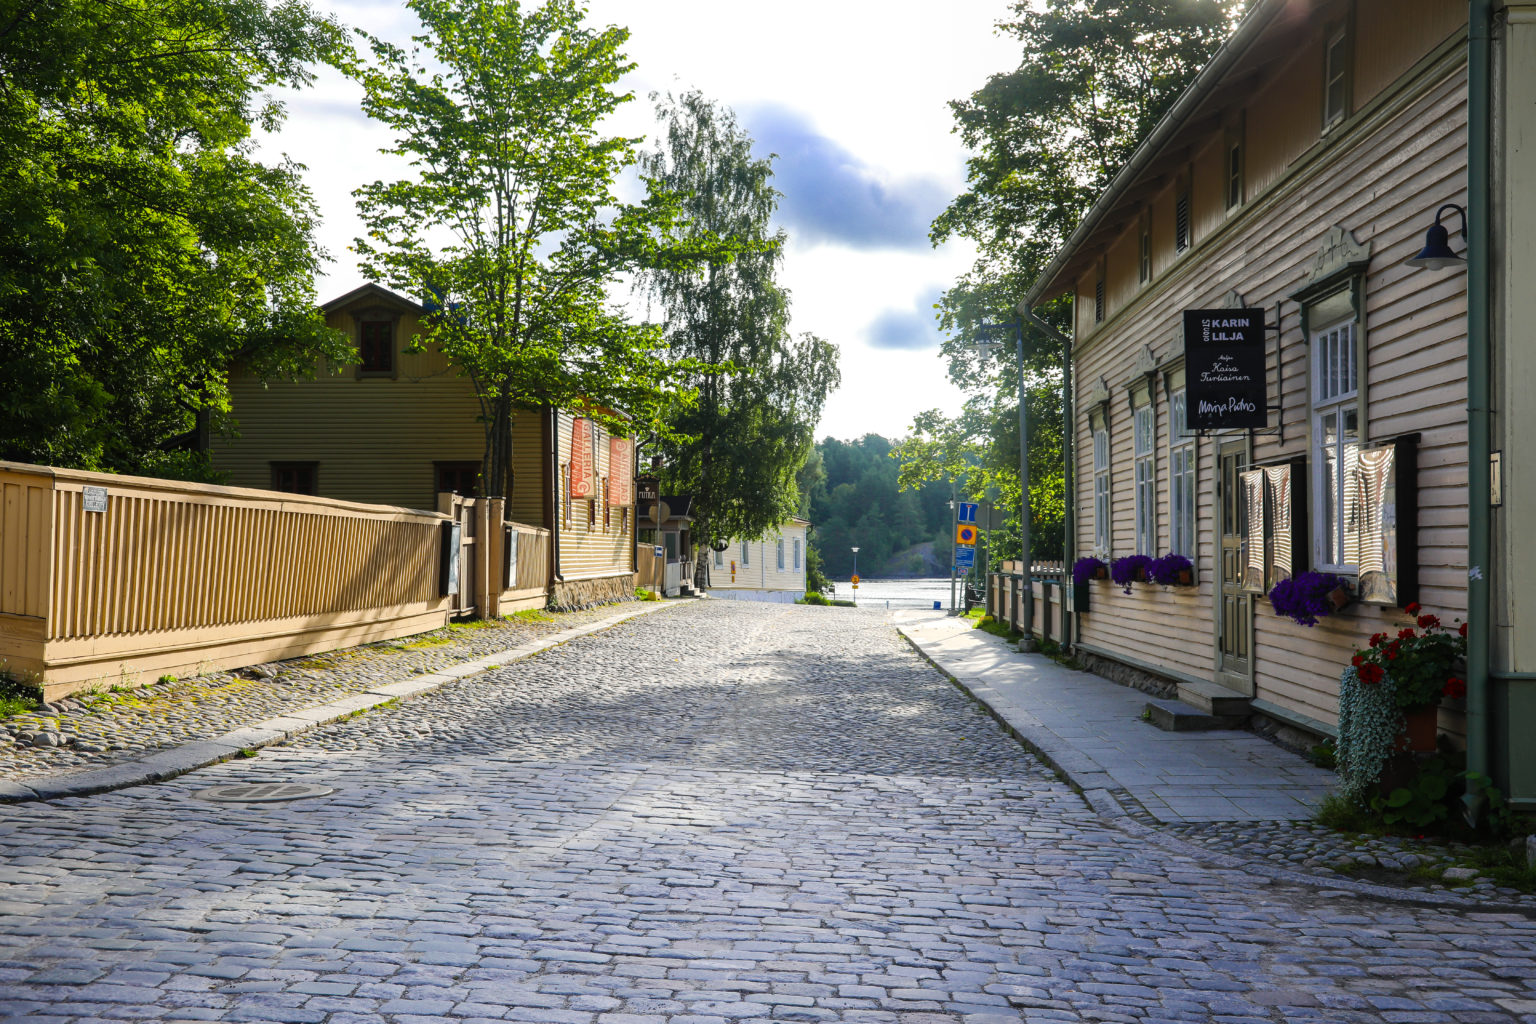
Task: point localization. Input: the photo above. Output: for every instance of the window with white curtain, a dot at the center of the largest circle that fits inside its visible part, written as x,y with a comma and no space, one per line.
1144,435
797,552
1336,476
744,561
1101,507
1181,478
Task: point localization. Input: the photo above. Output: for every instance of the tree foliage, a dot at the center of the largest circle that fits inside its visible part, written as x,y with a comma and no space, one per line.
739,448
1093,78
144,252
856,499
509,225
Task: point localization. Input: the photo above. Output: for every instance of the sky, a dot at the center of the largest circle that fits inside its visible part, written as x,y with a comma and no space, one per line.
852,96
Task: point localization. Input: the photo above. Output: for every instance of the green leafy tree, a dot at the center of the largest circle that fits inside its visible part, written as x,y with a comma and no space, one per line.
144,252
509,227
1093,78
857,500
739,449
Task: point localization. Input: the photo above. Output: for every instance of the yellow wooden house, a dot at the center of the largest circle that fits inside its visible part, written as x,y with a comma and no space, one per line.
402,427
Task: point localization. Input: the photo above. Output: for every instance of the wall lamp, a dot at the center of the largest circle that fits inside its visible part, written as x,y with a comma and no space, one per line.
1436,254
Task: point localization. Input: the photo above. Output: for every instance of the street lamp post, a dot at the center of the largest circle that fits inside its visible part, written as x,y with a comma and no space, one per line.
855,568
1024,507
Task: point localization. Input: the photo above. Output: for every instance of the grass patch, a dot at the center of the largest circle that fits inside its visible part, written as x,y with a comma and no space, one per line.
539,615
320,663
17,698
814,597
472,624
845,604
247,752
989,624
978,613
426,642
642,594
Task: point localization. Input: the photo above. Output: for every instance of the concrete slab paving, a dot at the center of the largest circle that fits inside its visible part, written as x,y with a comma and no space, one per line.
1091,730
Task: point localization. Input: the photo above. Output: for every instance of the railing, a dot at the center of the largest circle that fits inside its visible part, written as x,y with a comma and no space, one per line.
103,576
1005,598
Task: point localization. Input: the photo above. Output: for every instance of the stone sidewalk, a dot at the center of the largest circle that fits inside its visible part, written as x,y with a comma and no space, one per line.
1091,730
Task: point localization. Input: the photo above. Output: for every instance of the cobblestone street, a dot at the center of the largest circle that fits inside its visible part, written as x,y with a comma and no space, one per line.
719,811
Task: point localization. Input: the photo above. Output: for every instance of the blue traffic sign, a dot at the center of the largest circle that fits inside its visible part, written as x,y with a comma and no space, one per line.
968,511
965,557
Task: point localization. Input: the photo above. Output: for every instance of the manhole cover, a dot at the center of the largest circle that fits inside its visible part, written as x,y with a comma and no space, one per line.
263,792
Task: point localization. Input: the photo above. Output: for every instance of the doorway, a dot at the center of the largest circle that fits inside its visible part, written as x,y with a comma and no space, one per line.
1234,605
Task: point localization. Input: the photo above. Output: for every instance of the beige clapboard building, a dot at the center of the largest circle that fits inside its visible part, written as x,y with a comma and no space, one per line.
1294,177
402,427
771,568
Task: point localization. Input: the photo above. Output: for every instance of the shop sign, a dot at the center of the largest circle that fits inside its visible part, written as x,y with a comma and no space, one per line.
583,479
1224,370
621,471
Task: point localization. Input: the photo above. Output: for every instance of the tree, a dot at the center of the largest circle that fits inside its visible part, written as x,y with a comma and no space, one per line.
760,393
144,253
1094,76
509,227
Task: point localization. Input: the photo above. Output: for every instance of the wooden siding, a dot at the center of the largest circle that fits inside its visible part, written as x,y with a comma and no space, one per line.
177,577
762,571
1381,176
530,474
587,548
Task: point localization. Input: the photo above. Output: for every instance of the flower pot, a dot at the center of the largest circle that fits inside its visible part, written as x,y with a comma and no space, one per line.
1420,725
1340,596
1141,575
1101,573
1186,578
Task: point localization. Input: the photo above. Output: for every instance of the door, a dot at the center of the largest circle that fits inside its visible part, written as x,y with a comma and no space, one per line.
1234,606
674,571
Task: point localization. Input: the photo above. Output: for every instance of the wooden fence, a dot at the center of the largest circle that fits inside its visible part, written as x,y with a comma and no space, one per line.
1005,597
108,578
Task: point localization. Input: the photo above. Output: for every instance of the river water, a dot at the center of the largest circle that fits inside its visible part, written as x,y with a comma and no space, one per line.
913,593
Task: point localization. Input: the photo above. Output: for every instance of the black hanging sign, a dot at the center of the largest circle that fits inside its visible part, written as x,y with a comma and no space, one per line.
1224,369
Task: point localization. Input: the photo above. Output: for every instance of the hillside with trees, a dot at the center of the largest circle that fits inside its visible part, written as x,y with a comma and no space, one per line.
853,498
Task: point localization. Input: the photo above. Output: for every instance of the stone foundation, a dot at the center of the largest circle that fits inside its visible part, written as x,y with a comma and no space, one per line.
1292,737
574,595
1125,675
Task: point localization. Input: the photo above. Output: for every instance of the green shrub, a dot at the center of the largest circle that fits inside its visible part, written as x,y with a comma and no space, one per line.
641,594
813,597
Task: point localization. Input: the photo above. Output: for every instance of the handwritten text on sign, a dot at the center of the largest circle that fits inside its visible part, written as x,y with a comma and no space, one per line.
1224,369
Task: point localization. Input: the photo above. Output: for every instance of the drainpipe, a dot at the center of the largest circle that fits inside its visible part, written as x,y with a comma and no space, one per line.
1479,513
552,495
1068,432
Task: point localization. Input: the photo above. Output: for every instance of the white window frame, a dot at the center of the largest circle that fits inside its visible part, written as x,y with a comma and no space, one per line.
1103,527
1335,393
1182,493
744,549
779,550
1144,439
720,559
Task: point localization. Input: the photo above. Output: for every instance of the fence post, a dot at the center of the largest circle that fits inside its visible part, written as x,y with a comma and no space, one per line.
496,557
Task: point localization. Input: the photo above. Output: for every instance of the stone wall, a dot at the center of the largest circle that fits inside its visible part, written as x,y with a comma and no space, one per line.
573,595
1126,675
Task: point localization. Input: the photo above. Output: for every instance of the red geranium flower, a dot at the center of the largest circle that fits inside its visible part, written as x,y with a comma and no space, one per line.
1371,673
1406,633
1455,687
1357,661
1429,621
1462,629
1377,638
1413,609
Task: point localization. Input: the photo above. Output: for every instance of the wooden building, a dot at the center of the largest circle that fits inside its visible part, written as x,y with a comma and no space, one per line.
771,568
1294,177
401,427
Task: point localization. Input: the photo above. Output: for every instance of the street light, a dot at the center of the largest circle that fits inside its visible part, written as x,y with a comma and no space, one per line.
986,346
855,563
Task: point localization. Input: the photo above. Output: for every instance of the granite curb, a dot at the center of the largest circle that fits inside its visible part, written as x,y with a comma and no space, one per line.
188,757
1097,789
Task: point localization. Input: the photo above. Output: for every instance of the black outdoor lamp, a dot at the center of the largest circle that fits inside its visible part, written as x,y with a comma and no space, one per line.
1436,254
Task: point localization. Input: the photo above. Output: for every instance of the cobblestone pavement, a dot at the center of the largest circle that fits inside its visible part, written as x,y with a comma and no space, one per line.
720,812
127,721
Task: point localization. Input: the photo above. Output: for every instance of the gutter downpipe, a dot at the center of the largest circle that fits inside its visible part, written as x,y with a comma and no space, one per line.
1479,512
1068,431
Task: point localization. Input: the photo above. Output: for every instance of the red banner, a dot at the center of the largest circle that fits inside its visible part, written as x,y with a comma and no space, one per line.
583,479
621,471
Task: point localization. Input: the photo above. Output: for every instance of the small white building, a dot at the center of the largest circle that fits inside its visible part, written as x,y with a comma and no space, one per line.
770,569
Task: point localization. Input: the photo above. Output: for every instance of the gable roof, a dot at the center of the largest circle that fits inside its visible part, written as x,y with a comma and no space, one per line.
375,291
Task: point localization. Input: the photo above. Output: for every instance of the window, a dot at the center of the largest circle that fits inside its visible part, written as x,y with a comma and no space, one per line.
459,477
1145,261
780,547
1146,480
295,477
591,514
719,559
1098,301
744,562
1336,78
797,553
1181,479
565,495
376,346
1101,524
607,509
1234,173
1336,447
1181,221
